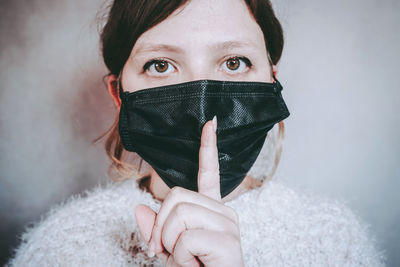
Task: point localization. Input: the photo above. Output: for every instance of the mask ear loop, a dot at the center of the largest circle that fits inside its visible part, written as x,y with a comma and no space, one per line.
278,86
119,85
271,64
279,137
121,93
275,79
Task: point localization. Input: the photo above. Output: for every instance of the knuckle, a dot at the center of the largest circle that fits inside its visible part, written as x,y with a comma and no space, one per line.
185,238
208,185
182,208
210,169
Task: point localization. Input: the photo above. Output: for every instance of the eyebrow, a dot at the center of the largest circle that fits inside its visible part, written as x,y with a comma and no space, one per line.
229,45
226,45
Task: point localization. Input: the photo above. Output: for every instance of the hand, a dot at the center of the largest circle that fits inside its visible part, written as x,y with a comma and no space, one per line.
194,228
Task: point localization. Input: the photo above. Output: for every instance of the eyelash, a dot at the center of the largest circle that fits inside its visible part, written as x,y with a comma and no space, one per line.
153,61
148,64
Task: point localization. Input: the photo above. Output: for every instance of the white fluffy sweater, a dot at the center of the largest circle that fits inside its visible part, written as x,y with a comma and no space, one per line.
279,227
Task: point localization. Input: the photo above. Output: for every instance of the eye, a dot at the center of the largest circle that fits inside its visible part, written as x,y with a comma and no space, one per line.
158,67
236,64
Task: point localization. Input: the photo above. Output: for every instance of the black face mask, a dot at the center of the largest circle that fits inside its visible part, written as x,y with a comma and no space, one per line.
164,125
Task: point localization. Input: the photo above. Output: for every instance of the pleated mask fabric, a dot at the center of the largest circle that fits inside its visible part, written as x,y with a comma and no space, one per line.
163,125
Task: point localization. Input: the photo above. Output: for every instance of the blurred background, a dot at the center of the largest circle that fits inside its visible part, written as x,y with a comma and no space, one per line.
341,78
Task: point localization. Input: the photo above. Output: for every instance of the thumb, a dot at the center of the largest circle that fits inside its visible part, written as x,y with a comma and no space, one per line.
145,219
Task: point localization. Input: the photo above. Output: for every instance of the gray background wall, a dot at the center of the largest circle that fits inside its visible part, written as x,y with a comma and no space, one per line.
341,82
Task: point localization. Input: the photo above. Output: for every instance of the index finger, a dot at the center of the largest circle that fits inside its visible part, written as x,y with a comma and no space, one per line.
208,175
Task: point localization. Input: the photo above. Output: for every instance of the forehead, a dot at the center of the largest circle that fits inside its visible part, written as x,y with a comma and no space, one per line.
204,24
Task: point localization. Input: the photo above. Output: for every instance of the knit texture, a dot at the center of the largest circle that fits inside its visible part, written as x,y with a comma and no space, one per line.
278,227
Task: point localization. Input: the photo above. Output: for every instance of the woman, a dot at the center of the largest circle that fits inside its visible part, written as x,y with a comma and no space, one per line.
196,89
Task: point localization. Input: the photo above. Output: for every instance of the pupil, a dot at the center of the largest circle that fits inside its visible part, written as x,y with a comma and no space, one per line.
233,64
161,66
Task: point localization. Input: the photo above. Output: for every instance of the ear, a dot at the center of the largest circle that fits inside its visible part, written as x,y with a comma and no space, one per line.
112,85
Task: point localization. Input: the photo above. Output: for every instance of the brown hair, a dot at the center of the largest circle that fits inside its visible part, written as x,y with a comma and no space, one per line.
128,19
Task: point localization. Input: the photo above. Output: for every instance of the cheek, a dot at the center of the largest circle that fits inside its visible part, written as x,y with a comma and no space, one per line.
132,80
262,74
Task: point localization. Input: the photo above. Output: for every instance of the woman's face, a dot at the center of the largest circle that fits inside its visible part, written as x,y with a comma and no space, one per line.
205,39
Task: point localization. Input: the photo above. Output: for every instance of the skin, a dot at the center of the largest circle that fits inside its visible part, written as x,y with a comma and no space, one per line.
205,39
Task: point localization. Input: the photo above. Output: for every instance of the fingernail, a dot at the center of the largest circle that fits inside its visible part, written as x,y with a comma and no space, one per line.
150,254
214,122
151,249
